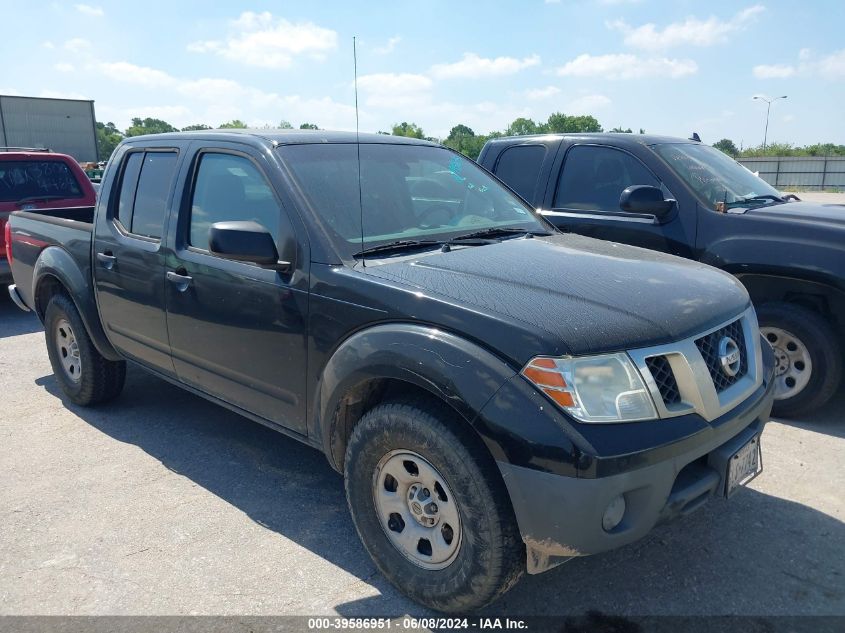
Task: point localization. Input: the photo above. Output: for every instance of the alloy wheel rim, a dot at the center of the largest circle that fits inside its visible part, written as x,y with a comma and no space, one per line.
68,350
793,363
417,509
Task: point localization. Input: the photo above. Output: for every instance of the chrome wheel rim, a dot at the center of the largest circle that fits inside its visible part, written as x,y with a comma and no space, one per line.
793,364
68,350
417,510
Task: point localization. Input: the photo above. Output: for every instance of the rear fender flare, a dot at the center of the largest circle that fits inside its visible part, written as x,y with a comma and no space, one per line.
57,263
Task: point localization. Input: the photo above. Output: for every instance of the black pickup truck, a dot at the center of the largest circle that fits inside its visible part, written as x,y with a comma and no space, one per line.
689,199
498,396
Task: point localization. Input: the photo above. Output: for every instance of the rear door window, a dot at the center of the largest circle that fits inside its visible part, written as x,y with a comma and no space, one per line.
593,177
519,168
23,180
145,188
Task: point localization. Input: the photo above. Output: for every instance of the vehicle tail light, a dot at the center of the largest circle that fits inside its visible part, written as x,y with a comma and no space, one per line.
7,239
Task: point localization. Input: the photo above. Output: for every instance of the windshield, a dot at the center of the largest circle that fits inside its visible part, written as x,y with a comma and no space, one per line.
408,192
33,179
713,175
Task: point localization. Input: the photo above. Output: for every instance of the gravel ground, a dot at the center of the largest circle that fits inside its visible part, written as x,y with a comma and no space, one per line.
163,504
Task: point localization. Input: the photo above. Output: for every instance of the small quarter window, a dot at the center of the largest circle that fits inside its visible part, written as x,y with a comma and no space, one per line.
145,188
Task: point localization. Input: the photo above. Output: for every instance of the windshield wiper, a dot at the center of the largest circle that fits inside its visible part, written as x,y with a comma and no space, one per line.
498,231
398,245
760,198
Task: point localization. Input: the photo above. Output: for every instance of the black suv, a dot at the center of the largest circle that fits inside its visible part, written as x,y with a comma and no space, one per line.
689,199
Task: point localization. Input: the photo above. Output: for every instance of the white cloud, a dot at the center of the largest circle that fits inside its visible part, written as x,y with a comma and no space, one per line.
588,104
58,94
773,71
830,67
387,48
87,9
64,67
48,44
139,75
691,32
537,94
833,65
264,41
627,66
394,89
77,45
552,1
471,66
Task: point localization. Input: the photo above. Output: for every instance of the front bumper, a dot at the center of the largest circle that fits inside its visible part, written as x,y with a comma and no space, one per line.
561,517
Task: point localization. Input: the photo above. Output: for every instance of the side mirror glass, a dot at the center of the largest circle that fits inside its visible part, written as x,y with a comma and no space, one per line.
645,199
245,242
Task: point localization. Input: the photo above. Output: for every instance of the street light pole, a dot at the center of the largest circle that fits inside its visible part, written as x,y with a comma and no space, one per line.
768,109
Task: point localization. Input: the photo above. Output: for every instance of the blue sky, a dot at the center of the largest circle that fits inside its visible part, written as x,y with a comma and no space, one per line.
669,67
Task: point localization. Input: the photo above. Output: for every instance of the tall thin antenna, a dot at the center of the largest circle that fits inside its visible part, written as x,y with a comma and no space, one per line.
358,146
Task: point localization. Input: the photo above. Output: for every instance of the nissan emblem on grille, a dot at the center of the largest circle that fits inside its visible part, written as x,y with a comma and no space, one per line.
729,356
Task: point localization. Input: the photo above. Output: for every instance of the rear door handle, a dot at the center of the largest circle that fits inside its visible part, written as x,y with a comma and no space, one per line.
181,281
107,260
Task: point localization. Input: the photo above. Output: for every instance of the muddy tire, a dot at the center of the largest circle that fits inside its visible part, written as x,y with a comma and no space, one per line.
430,507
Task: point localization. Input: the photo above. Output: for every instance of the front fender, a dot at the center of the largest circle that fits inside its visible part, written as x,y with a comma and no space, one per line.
458,372
58,263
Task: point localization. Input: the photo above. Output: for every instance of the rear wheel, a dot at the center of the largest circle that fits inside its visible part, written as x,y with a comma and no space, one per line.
431,510
84,375
808,357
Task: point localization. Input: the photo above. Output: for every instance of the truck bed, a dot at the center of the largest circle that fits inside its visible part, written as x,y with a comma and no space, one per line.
67,230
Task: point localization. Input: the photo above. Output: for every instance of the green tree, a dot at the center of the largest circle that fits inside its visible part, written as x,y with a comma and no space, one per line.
411,130
623,131
560,122
285,125
196,127
308,126
522,126
140,127
462,139
728,147
234,124
108,137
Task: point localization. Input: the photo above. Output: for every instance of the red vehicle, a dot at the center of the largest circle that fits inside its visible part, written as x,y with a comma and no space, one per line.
32,179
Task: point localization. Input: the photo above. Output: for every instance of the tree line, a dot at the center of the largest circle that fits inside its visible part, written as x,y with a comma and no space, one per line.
779,149
461,137
108,136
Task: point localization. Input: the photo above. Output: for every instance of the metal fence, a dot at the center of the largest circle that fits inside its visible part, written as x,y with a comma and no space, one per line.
803,172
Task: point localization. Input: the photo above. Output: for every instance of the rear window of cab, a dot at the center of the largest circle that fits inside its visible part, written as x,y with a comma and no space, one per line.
22,180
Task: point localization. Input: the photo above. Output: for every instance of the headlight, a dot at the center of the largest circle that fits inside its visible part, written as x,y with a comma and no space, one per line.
606,388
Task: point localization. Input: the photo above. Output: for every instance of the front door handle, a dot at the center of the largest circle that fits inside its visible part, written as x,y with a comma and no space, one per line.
181,281
106,259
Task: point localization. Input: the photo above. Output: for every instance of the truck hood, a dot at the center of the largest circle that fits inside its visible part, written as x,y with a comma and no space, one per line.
830,214
579,294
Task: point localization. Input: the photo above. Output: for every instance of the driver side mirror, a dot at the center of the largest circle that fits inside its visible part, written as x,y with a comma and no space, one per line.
645,199
245,242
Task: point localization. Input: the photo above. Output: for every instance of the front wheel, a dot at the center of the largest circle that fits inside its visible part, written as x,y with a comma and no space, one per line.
808,358
431,510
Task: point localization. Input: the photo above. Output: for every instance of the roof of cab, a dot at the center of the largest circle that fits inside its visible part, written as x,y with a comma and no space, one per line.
613,138
287,137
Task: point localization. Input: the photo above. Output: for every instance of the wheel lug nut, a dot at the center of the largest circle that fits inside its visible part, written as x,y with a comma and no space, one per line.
431,508
426,493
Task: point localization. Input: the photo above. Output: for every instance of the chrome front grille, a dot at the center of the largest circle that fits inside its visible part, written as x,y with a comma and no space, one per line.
709,373
709,348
